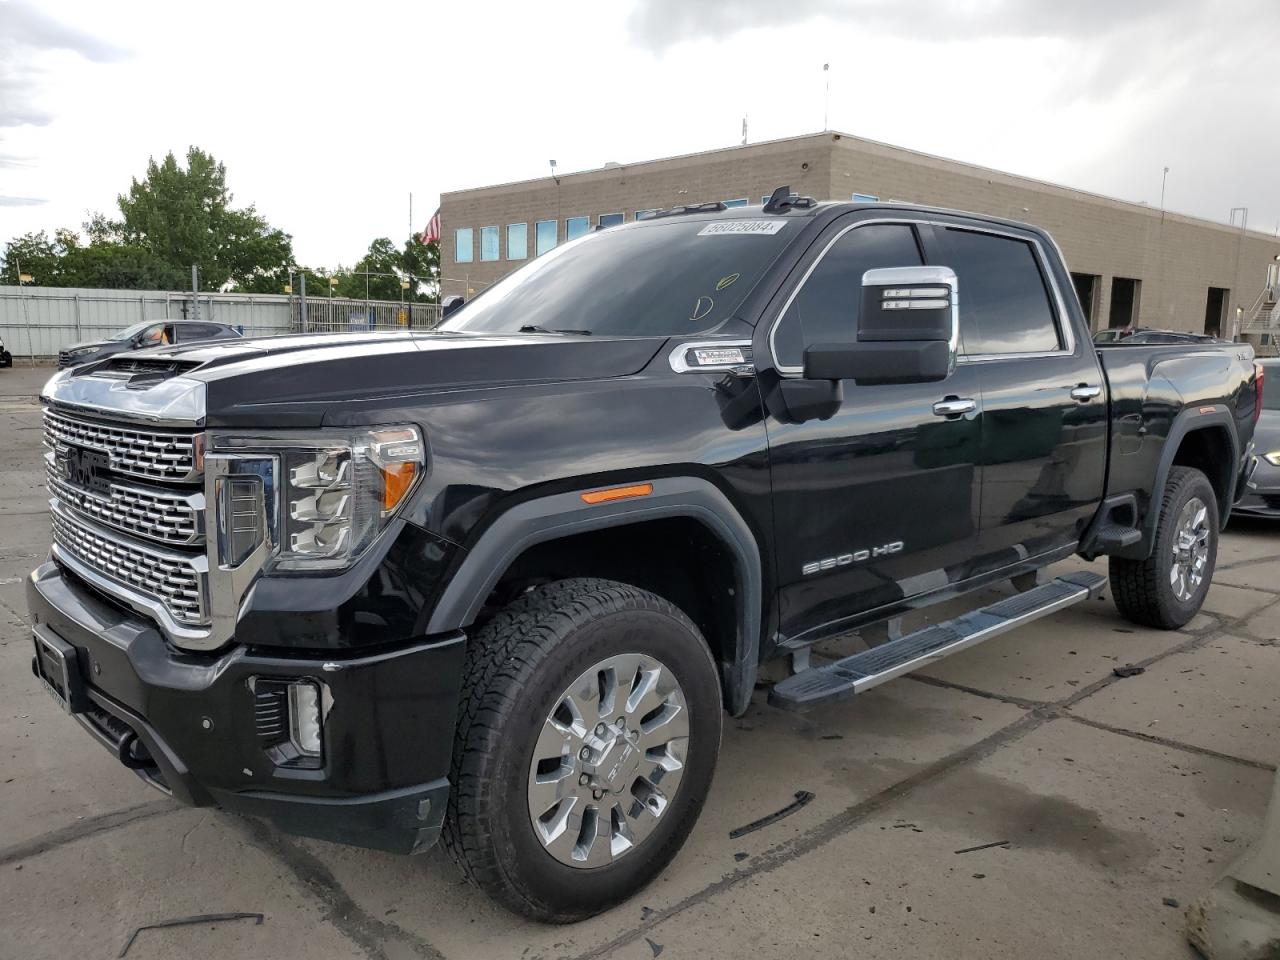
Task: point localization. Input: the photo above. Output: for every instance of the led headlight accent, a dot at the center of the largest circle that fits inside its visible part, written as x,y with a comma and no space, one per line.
339,494
337,490
1272,458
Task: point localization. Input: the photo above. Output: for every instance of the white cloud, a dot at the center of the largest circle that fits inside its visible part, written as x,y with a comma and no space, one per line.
327,115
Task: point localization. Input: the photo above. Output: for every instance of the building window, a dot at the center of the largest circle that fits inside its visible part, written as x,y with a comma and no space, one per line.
544,236
764,200
575,227
462,245
645,214
740,202
517,241
611,219
488,243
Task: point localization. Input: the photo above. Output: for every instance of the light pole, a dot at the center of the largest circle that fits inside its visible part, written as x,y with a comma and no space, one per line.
23,280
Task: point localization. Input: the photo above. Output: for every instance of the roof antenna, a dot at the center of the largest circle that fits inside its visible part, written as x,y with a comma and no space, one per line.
779,200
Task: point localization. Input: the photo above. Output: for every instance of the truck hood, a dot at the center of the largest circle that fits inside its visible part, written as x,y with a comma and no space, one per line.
292,381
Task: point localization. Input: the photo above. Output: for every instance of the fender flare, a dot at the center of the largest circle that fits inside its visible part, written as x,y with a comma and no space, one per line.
565,514
1187,422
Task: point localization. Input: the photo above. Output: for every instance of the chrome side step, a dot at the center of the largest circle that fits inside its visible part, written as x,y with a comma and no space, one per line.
870,668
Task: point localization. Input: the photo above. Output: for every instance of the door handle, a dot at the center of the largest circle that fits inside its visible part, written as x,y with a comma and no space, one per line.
954,406
1083,391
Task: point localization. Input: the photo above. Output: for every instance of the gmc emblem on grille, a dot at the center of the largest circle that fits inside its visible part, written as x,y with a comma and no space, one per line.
87,469
846,559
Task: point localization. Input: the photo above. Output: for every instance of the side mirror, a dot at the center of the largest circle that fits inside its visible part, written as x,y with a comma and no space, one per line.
908,331
450,305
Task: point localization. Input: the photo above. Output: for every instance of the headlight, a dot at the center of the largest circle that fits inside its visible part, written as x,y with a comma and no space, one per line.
336,490
1272,458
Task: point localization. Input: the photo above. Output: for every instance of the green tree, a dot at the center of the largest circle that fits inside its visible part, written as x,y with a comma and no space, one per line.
422,262
183,216
34,254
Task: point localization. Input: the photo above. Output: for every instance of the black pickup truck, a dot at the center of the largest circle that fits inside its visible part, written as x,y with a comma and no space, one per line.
499,583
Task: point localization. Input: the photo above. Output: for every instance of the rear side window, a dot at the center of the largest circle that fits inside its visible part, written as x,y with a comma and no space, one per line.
826,308
1004,304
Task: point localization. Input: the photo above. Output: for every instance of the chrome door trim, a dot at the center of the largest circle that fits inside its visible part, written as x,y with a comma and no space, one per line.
678,358
1058,304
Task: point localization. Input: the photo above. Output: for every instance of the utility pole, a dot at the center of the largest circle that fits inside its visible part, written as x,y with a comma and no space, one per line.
195,292
302,279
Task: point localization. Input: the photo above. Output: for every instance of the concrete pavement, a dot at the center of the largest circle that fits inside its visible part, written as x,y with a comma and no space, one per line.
1116,797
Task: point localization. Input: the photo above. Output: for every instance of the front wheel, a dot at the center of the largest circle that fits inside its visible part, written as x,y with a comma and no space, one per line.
589,729
1166,589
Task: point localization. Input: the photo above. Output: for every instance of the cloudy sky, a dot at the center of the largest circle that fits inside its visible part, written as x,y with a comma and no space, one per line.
328,115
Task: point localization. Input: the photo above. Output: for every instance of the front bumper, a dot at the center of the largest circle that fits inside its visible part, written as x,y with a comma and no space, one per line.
186,723
1262,492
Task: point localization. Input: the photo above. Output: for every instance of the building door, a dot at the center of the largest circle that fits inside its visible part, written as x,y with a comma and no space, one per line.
1215,310
1125,295
1088,288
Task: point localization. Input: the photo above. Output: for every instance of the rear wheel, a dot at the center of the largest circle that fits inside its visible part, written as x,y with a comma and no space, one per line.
1166,589
589,731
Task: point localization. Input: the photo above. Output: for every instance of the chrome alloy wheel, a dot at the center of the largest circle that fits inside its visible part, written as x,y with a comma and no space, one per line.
608,760
1190,549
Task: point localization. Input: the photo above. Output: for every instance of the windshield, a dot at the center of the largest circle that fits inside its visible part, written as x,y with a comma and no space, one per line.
1271,387
129,332
654,279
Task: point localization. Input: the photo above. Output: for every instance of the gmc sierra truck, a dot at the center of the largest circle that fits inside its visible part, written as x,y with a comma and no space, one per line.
498,583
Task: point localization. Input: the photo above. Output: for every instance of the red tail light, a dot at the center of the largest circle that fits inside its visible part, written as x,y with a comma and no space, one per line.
1260,374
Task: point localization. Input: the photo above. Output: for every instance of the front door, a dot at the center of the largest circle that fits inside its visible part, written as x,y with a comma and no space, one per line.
880,501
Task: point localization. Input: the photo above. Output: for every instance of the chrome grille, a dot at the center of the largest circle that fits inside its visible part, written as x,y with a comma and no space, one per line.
150,514
171,579
156,455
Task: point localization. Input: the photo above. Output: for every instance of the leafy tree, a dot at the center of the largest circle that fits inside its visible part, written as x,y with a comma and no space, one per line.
422,261
35,254
184,216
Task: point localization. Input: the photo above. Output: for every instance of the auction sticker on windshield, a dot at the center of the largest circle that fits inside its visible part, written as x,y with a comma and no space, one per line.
763,227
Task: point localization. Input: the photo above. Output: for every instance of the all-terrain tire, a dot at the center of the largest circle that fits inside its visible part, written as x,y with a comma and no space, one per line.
517,667
1143,589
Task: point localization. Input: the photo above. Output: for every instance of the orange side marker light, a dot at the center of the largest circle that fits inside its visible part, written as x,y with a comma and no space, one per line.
618,493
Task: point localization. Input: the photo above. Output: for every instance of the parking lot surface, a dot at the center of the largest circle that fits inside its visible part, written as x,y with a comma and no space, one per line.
1114,802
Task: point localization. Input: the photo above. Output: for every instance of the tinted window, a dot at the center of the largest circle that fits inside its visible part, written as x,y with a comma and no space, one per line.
462,244
488,243
517,241
1004,306
826,308
544,236
655,278
576,227
611,219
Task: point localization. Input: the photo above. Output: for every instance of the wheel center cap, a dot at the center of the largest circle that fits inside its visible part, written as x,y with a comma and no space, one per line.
618,765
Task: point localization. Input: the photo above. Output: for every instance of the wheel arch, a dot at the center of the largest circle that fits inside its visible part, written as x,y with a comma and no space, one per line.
564,519
1204,438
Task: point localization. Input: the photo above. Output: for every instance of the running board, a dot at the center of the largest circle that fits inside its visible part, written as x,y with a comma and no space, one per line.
870,668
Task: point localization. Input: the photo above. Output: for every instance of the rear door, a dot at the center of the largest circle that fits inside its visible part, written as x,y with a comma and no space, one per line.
877,501
1044,414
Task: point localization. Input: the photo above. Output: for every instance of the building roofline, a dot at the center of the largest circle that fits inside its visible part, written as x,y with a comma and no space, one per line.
837,136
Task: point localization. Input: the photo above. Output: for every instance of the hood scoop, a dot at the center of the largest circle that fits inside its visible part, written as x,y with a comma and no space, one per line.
142,372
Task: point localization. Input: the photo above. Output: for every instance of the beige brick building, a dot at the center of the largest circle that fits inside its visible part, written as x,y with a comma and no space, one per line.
1130,262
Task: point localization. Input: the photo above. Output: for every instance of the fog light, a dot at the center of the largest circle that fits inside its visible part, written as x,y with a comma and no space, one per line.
304,717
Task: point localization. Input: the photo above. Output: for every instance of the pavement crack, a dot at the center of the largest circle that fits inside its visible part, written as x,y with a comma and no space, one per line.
87,827
1165,741
985,694
348,917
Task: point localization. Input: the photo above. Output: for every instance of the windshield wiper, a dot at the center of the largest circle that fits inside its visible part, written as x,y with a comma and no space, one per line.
534,328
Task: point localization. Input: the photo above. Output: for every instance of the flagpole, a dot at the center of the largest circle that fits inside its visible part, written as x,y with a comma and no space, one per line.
826,102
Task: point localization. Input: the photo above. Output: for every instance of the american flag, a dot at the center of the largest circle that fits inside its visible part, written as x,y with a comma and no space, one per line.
432,233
